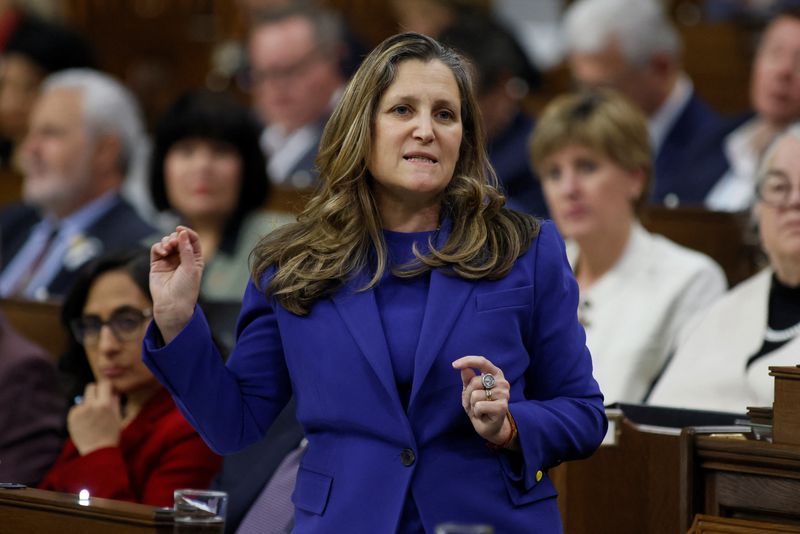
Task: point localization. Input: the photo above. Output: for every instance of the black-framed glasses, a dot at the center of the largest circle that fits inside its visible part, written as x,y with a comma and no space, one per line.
775,190
125,323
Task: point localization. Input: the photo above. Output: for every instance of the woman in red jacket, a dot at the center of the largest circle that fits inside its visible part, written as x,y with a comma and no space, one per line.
127,439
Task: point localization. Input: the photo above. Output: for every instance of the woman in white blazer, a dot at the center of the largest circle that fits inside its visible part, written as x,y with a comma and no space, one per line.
723,361
637,290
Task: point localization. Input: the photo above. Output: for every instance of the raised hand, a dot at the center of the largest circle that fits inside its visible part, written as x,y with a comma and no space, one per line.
176,267
486,408
96,422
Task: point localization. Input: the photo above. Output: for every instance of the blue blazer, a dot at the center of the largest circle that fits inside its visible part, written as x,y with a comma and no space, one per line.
366,452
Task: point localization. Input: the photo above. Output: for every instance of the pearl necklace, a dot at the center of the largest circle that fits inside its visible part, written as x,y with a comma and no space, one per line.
779,336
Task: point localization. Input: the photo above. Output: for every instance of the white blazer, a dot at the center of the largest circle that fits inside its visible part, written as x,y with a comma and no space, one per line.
708,370
633,313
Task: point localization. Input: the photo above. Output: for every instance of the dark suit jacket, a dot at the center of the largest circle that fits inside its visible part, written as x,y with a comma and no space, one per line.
366,451
698,130
118,228
244,474
32,409
708,163
508,153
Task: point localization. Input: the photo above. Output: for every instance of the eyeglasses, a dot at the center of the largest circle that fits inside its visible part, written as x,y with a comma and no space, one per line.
775,190
125,323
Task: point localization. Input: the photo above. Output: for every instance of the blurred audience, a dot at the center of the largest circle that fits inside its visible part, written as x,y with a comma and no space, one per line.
31,409
637,289
631,46
775,97
83,132
432,17
34,49
295,77
504,76
722,362
208,169
127,439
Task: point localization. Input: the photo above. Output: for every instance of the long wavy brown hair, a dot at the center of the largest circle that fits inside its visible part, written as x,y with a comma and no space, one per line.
338,235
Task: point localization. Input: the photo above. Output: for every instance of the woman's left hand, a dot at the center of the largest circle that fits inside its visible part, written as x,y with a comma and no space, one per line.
96,422
486,408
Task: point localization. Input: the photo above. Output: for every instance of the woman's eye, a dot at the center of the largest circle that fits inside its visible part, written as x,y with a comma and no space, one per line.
401,110
586,166
445,115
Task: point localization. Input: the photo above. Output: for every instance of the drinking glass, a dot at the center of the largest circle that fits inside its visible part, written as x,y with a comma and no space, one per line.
463,528
200,511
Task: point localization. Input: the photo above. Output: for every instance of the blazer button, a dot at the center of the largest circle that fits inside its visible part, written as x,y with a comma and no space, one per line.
407,457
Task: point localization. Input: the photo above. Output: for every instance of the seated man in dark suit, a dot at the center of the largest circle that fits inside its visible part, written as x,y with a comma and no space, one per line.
32,409
632,47
295,55
504,75
775,97
83,134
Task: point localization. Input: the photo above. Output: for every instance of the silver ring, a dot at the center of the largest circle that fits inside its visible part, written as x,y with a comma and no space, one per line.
488,394
488,381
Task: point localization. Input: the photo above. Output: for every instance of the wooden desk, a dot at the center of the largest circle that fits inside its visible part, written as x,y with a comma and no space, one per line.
722,236
630,486
739,478
706,524
45,512
40,322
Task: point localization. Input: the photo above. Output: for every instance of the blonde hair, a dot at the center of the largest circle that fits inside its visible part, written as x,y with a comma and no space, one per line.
601,120
338,234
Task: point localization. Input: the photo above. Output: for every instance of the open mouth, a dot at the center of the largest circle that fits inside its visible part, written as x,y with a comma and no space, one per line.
420,158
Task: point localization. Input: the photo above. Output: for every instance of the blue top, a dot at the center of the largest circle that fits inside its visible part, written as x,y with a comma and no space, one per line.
401,304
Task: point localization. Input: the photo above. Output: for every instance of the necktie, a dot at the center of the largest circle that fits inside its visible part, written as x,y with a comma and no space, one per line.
22,284
273,512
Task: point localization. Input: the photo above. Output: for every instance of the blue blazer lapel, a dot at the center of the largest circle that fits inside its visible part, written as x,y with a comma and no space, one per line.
446,298
359,310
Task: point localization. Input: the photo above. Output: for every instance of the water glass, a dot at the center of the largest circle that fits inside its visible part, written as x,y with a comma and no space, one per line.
463,528
200,511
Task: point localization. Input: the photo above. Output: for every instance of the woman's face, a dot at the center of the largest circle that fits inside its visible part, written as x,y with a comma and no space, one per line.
203,178
19,88
778,211
416,135
587,193
114,294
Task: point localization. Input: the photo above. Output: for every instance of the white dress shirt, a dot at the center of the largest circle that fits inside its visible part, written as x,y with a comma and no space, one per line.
736,190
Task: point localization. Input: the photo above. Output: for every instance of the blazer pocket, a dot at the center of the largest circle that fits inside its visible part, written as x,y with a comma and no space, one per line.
311,491
507,298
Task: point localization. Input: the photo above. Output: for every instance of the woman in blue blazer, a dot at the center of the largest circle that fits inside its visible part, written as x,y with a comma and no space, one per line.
429,335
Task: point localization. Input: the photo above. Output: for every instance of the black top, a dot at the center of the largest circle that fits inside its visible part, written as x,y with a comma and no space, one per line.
783,312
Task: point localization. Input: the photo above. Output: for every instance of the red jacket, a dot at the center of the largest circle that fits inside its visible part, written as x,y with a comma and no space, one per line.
158,452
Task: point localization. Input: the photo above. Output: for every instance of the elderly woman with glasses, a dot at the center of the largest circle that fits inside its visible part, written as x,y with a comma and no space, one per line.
723,362
127,439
